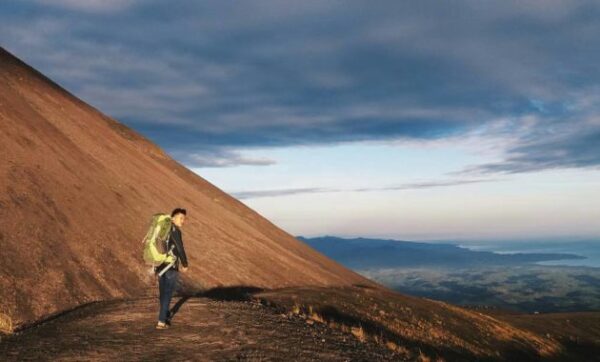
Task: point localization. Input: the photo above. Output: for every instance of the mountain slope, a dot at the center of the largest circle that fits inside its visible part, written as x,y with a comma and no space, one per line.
77,189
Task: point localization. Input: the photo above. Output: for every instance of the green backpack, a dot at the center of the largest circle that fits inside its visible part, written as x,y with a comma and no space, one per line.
155,241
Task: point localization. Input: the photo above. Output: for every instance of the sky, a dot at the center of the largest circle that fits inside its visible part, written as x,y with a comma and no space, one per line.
428,120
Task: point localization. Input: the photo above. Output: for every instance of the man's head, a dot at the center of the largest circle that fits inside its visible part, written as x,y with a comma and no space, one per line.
178,216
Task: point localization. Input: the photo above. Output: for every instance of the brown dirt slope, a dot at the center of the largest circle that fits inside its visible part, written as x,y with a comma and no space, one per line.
578,333
75,199
202,330
416,328
299,323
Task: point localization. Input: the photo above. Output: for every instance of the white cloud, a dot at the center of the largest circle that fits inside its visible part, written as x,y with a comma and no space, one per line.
90,6
221,158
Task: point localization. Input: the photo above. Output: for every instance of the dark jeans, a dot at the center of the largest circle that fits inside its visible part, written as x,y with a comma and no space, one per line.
166,286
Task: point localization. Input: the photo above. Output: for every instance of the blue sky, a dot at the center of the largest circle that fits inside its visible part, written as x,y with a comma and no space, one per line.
415,120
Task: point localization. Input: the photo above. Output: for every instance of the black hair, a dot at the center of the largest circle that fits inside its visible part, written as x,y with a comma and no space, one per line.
178,211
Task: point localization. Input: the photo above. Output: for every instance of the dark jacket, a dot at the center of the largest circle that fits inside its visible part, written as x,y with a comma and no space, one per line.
175,240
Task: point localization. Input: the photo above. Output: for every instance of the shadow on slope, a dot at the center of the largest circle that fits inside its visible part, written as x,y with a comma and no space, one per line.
205,329
414,328
237,293
410,328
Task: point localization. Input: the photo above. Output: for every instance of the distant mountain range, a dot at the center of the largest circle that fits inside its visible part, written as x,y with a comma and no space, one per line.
362,253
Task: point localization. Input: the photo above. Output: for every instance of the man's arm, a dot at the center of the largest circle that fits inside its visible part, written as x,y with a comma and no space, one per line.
180,249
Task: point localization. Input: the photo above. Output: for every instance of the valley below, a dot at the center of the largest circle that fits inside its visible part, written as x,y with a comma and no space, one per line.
523,288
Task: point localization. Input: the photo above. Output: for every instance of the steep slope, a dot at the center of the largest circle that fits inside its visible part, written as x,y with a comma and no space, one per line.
76,191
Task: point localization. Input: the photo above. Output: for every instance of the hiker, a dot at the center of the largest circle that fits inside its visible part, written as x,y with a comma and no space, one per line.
168,280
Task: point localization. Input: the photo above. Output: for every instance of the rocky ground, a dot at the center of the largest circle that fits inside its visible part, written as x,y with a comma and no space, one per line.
304,324
202,329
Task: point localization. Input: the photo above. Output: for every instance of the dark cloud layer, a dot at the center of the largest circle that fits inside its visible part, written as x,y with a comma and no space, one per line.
205,78
579,150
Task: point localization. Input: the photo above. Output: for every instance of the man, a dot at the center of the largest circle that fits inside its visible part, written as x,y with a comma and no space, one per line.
168,281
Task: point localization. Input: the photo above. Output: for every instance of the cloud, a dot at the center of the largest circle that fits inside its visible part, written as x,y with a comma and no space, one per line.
559,137
90,6
429,184
278,192
201,78
575,150
220,158
311,190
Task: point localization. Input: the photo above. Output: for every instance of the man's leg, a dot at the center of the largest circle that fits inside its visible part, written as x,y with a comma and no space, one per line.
167,284
172,286
162,289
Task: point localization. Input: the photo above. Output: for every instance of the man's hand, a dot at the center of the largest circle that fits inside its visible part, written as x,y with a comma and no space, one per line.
184,269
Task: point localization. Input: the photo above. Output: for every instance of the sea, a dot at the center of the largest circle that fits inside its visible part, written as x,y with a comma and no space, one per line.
590,249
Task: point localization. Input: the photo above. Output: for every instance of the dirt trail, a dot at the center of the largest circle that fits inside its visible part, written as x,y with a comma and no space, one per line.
203,329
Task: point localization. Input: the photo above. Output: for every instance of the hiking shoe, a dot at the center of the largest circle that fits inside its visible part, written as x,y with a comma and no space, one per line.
161,325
